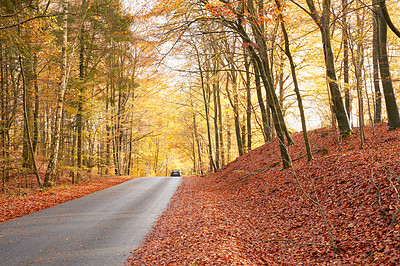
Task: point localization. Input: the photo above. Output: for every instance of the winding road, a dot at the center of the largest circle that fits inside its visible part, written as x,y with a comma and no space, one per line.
98,229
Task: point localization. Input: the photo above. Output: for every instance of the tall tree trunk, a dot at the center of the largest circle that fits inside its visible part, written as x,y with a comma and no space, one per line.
276,112
346,79
205,93
358,63
108,133
249,106
28,78
273,105
197,140
79,115
216,115
387,84
60,102
264,115
221,140
266,73
323,22
4,128
35,138
28,133
375,65
234,101
130,148
296,86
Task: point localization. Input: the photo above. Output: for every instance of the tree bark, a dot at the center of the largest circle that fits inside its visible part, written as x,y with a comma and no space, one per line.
387,84
205,93
385,13
264,114
375,65
60,102
28,134
296,86
79,115
216,115
346,78
249,106
323,22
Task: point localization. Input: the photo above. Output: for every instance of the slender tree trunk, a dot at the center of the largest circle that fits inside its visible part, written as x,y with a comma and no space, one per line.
359,77
4,145
296,86
229,143
28,78
35,138
28,134
264,115
234,101
249,106
375,65
205,93
79,115
60,103
108,133
73,153
346,75
221,142
196,138
216,115
128,167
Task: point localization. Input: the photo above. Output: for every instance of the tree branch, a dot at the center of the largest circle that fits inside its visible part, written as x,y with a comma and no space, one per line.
382,5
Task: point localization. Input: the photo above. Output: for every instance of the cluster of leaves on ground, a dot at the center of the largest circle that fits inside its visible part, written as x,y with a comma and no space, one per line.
253,213
17,207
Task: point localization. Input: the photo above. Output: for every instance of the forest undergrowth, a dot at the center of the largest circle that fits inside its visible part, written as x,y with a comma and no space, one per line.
253,213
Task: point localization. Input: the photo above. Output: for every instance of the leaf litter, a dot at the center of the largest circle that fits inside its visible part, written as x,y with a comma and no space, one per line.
42,199
251,212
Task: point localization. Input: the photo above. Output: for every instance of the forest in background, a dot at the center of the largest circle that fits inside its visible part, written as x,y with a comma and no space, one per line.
100,87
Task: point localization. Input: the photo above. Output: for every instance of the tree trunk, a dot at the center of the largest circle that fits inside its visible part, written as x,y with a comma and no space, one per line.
387,84
249,106
264,115
296,86
205,93
35,138
216,115
221,141
346,75
79,115
60,102
375,65
358,63
323,22
277,116
28,134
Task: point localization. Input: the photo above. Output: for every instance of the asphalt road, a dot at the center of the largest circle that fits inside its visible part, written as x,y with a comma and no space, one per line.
98,229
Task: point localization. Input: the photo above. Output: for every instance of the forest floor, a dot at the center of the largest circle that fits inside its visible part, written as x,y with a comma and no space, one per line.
37,199
252,212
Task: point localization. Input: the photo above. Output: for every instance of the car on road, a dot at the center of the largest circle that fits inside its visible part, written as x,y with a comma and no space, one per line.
176,172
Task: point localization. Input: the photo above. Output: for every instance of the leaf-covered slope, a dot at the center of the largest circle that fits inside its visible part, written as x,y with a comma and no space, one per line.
252,213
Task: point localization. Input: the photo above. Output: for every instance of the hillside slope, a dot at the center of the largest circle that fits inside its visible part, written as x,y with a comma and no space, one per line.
253,213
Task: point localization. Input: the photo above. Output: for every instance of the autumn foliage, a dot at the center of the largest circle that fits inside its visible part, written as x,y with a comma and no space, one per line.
253,213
